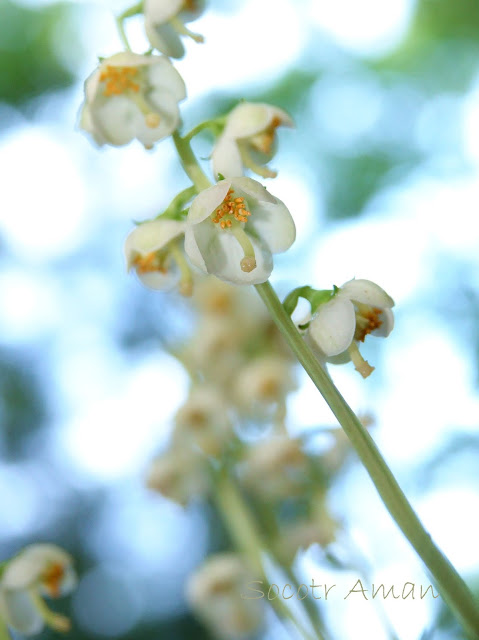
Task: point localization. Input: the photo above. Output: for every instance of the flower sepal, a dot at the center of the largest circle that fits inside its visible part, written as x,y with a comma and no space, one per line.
315,297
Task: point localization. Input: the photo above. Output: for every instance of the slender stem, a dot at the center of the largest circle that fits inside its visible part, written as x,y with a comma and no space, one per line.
120,22
451,586
4,632
176,205
190,163
246,537
215,125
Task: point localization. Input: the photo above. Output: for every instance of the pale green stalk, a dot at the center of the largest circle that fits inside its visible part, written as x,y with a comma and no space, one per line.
247,539
4,633
451,586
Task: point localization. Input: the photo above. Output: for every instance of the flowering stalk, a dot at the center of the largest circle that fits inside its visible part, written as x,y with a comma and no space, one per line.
247,539
451,586
4,633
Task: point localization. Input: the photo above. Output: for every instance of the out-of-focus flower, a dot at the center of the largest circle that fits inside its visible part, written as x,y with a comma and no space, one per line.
248,140
264,381
38,570
203,421
132,96
359,308
154,250
165,23
320,528
234,227
180,475
218,593
276,468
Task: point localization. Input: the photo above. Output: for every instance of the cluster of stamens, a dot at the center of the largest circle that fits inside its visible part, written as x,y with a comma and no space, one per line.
264,141
231,209
367,320
149,263
118,80
52,579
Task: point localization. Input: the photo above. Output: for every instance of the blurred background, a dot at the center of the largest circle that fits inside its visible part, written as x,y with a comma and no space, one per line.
381,175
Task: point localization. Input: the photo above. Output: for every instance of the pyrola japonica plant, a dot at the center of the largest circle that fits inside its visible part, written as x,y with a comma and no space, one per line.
215,243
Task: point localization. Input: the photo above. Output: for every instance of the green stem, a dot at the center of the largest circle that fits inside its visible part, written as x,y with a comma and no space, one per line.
451,586
128,13
247,539
215,125
190,163
176,205
4,632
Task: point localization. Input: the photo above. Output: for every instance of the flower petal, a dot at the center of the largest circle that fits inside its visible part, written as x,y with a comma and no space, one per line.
161,281
222,255
387,318
165,39
160,11
253,189
192,250
151,236
163,76
207,201
249,119
274,224
226,158
333,326
367,292
20,612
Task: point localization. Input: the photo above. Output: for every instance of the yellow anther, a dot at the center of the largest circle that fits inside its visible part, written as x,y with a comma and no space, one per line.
52,579
149,263
367,320
264,141
118,80
230,209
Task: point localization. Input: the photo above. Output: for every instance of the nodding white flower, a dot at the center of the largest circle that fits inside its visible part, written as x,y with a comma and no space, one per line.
38,570
234,227
248,140
132,96
263,382
153,249
180,475
165,23
276,468
203,421
359,308
217,590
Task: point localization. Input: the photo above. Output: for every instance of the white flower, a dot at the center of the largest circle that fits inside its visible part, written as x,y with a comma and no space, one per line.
38,570
359,308
263,382
203,421
165,22
248,140
276,468
318,528
234,227
132,96
217,593
153,249
180,475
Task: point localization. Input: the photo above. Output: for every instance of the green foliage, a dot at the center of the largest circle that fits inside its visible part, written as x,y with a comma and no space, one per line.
30,60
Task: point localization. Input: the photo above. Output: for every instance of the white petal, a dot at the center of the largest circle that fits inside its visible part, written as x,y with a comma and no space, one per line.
164,38
253,189
333,326
273,224
367,292
26,568
151,236
20,611
160,11
167,108
207,201
118,119
249,119
226,158
161,281
126,59
164,77
222,255
187,15
387,319
192,250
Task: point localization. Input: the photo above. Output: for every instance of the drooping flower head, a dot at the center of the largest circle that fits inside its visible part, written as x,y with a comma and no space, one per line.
165,22
234,227
359,308
216,591
153,249
132,96
38,570
248,140
179,474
